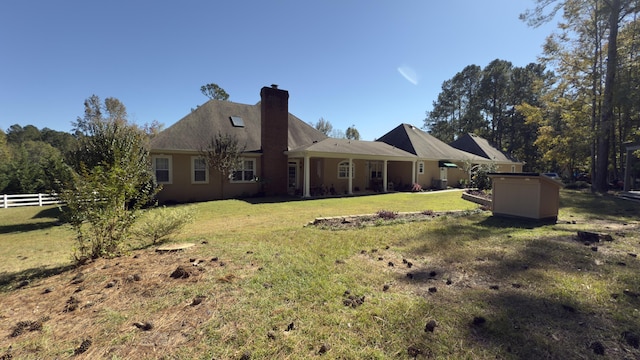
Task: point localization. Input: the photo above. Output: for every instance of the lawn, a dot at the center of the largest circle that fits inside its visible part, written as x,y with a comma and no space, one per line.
260,283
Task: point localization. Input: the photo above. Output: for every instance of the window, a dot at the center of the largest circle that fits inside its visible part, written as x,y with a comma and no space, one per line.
343,170
375,169
237,121
199,170
420,167
246,173
162,169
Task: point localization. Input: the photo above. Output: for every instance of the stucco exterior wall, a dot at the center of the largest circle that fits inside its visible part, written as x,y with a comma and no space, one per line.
399,173
181,189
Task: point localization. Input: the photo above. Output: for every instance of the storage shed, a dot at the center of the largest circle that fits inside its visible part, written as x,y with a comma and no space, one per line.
527,195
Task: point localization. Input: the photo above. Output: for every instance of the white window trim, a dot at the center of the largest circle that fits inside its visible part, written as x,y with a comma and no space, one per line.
253,160
353,169
153,159
193,171
420,167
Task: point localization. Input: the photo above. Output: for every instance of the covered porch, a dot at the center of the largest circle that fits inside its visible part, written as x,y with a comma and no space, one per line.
345,167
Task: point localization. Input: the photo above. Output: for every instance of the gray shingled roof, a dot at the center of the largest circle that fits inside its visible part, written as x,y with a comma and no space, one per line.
198,128
331,147
476,145
424,145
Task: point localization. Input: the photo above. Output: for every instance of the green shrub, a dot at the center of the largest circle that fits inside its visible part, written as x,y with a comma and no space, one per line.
101,206
480,177
160,223
578,185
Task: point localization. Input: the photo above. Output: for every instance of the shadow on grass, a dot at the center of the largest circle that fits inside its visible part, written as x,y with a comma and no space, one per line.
515,302
7,229
514,223
281,199
49,213
603,206
11,281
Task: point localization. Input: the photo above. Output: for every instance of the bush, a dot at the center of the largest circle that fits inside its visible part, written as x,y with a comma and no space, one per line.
160,223
480,177
101,208
578,185
387,215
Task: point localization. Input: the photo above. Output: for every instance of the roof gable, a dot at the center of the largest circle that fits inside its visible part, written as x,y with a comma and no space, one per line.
423,144
479,146
196,129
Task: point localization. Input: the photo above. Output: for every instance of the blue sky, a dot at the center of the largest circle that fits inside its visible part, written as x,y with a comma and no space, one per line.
372,64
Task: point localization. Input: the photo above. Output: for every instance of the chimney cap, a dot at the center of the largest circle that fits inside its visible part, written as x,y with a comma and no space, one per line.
274,86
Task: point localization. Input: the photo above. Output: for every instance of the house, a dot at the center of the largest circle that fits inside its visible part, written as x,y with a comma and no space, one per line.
266,130
438,164
284,155
476,145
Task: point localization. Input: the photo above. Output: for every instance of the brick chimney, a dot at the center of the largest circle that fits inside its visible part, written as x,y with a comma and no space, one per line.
274,114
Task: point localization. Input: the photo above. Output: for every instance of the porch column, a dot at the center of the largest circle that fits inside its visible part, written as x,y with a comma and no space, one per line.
306,185
384,176
413,172
350,191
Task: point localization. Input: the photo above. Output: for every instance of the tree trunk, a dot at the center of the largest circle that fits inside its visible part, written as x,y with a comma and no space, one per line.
602,161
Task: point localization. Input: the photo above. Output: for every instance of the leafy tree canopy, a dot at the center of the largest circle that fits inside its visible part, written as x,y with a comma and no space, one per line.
214,92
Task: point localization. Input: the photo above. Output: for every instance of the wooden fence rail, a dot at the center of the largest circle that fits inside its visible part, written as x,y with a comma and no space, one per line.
7,201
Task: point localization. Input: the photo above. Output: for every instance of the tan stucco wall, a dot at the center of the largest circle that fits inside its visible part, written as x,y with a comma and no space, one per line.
506,168
329,176
182,190
399,173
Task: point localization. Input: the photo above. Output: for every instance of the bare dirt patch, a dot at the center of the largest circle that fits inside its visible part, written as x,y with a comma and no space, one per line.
380,218
88,309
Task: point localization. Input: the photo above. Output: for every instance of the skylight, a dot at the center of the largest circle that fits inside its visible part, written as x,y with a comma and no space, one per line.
237,121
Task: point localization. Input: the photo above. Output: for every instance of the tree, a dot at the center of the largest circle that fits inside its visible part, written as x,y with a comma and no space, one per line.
18,134
484,102
214,92
112,179
352,133
323,125
494,90
223,153
597,23
4,162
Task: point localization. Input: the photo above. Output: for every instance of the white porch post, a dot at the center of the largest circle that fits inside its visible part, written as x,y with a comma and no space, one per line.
384,176
413,173
350,191
307,185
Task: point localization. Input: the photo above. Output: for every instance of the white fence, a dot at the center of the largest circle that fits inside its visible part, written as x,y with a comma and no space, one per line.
7,201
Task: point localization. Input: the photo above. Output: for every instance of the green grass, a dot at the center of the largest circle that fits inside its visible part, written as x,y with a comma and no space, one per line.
542,293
